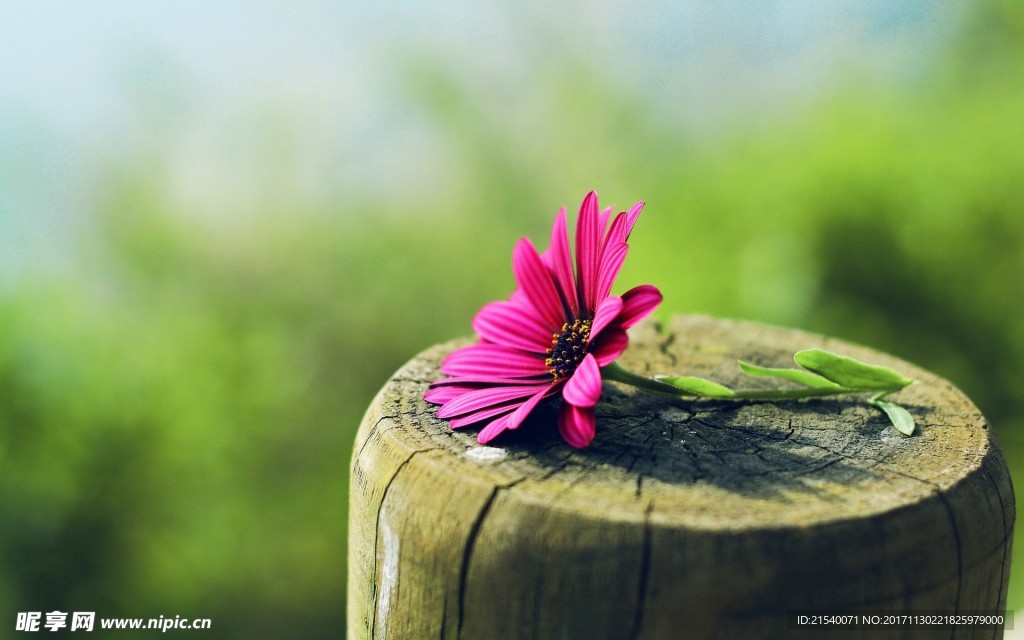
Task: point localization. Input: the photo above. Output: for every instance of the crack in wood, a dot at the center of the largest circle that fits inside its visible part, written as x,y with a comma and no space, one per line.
467,554
1007,526
376,540
644,574
951,515
374,432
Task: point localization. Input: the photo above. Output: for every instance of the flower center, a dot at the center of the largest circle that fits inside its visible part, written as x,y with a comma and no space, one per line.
568,349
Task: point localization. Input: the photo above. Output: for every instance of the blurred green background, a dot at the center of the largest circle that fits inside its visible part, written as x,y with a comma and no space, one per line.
223,229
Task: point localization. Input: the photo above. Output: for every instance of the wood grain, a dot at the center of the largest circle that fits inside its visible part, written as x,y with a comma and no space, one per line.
697,519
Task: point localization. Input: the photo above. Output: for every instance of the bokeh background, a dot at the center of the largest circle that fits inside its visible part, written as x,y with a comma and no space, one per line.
223,225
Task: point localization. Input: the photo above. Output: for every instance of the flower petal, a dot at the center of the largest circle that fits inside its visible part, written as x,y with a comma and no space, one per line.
615,233
606,312
611,263
638,302
492,430
441,395
535,281
509,324
524,410
558,259
584,387
474,382
477,399
492,360
483,414
622,226
519,298
587,246
602,220
577,425
631,216
610,346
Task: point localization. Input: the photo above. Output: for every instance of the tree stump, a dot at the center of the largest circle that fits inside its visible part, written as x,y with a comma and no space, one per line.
695,519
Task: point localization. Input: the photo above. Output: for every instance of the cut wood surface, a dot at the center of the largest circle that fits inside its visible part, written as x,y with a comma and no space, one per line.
683,519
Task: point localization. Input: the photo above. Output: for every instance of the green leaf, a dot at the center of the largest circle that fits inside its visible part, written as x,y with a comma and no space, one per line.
697,386
848,372
802,376
900,417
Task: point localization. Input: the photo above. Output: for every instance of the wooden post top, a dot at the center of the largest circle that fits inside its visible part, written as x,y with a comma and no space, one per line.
726,513
711,464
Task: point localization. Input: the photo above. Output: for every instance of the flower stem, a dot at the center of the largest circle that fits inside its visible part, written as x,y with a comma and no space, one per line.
617,373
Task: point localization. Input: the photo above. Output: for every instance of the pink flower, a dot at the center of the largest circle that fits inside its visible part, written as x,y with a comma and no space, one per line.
552,335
